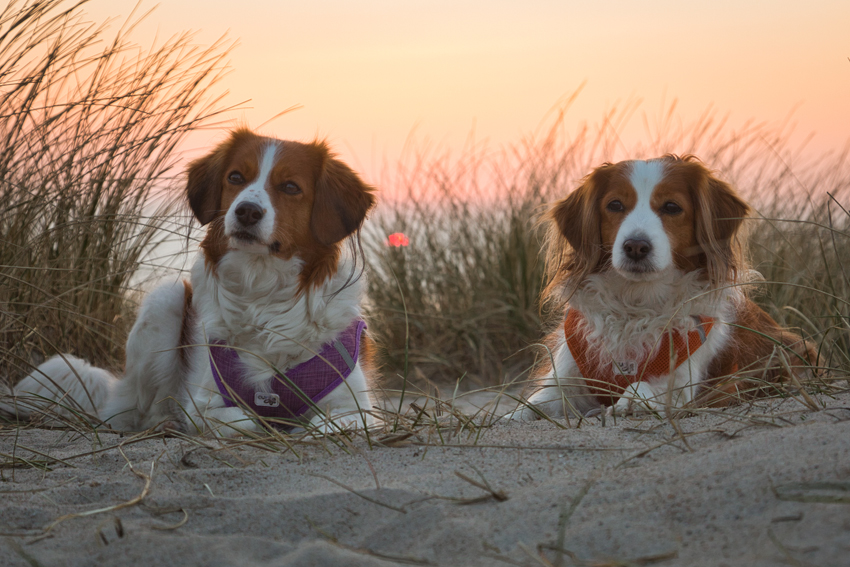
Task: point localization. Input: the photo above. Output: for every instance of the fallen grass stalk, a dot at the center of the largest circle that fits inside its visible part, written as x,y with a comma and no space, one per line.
360,494
643,560
828,492
147,478
564,518
497,495
670,441
561,448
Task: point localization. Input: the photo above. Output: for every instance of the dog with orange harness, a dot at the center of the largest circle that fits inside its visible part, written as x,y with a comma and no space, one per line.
648,255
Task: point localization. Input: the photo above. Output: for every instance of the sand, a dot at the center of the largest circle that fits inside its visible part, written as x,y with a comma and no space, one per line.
764,485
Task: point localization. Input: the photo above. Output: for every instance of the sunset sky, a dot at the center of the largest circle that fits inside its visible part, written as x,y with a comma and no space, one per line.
372,73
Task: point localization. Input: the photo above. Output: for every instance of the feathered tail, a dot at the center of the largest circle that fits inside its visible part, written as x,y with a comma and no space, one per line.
63,387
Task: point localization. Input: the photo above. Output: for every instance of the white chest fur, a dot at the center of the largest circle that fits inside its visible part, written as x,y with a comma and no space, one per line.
252,302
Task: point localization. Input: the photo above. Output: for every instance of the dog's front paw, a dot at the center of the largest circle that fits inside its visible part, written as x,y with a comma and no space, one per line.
322,424
525,412
637,399
225,422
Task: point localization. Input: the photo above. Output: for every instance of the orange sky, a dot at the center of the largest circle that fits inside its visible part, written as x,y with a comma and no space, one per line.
368,73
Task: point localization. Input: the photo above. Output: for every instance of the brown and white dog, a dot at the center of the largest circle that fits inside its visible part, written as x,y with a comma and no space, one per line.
648,255
276,281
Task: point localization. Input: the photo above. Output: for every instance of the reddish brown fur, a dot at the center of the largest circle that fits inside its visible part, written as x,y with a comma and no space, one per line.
753,359
718,217
368,359
706,236
188,320
575,240
332,205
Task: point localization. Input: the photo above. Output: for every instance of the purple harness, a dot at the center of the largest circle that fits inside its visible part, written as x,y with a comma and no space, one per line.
299,388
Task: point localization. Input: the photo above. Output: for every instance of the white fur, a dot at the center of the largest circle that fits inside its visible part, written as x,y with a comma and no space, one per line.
147,395
63,386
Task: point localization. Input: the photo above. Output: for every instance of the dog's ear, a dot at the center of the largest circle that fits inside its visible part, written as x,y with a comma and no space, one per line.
203,187
577,220
720,212
341,202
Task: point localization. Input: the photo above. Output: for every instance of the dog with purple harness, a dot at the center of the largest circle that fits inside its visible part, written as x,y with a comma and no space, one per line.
269,330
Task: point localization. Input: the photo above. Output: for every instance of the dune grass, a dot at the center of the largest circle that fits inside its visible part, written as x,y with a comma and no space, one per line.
89,129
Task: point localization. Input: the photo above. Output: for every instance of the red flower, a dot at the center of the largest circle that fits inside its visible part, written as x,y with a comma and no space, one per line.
397,239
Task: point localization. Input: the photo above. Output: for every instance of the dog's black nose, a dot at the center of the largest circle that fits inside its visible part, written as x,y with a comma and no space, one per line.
249,214
637,249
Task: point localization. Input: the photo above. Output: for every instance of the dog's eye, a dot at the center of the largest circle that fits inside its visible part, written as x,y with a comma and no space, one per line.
615,207
290,188
235,178
671,208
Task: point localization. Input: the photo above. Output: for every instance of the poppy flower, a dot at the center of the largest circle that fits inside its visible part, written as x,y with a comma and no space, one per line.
397,239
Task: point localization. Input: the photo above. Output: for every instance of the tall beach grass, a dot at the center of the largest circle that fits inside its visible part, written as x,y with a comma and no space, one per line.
90,125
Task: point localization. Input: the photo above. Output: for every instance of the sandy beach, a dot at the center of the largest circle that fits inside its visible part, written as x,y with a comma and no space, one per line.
765,485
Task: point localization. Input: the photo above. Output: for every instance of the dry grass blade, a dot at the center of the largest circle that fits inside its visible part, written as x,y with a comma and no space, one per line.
828,492
147,478
360,494
792,376
564,518
16,462
395,440
497,495
179,524
670,441
643,560
34,490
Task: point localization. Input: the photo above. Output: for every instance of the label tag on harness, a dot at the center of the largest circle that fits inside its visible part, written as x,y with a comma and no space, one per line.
266,400
626,368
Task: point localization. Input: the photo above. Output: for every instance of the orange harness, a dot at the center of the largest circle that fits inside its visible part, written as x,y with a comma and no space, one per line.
609,381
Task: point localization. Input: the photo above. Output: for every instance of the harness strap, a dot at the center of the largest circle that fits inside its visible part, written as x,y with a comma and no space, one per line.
343,352
608,381
296,390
